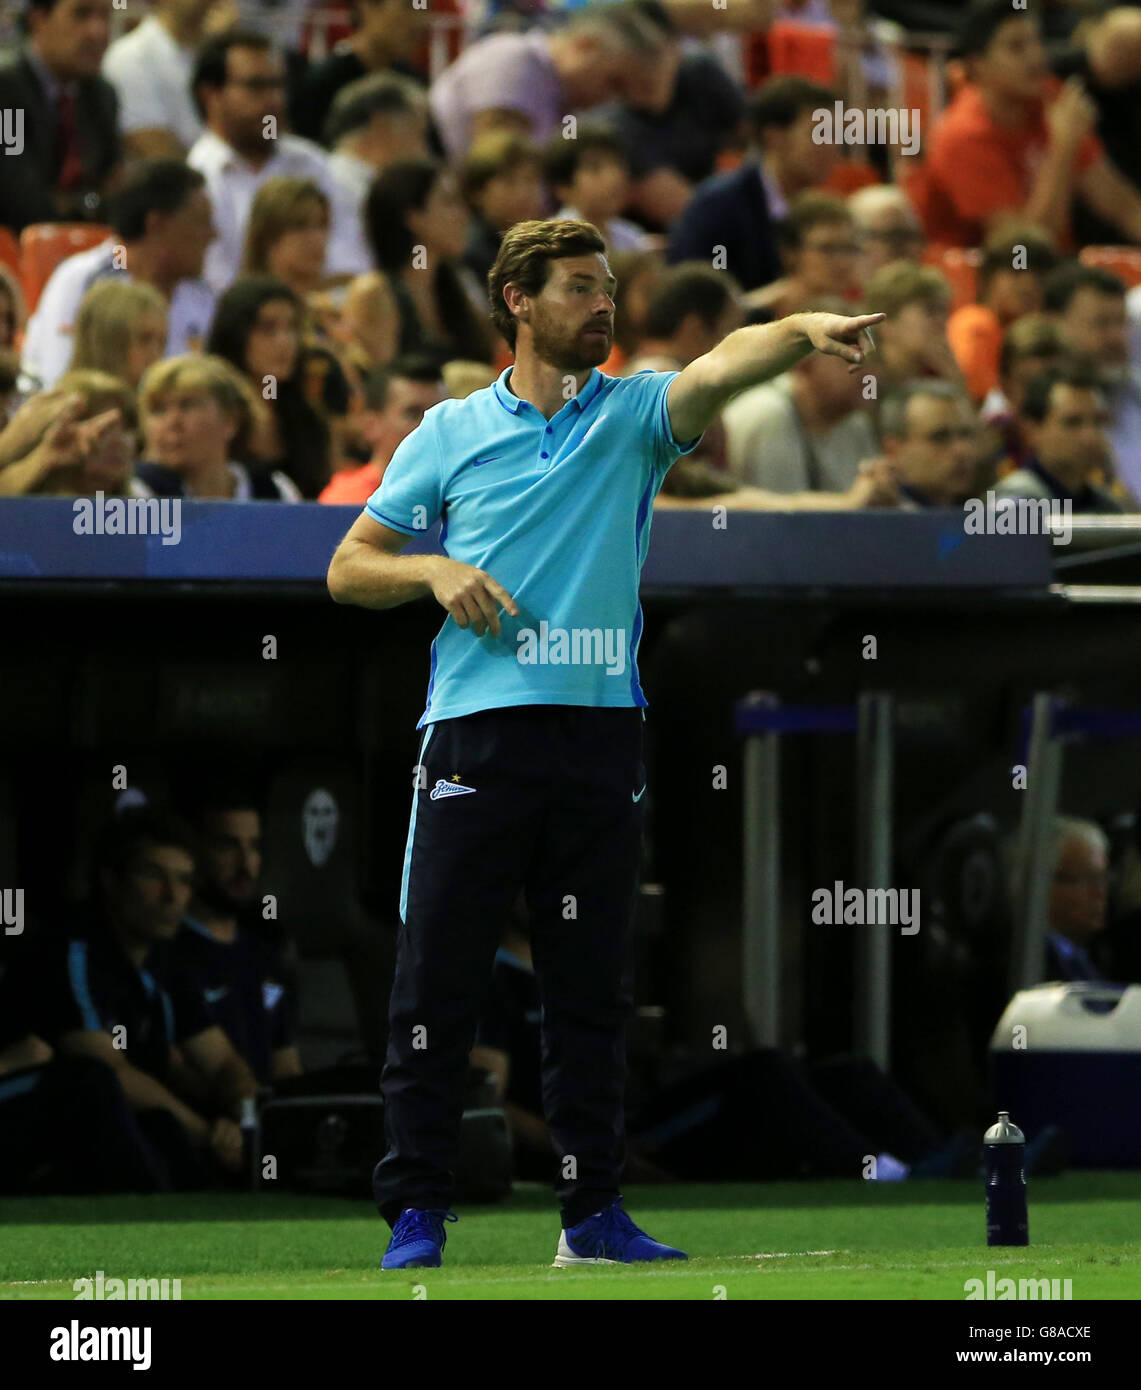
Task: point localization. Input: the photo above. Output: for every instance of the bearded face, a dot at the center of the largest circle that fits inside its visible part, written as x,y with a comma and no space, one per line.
571,320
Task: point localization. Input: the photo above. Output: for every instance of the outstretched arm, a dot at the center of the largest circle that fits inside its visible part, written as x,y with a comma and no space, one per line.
755,354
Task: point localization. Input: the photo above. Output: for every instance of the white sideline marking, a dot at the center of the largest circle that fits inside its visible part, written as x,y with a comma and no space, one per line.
787,1254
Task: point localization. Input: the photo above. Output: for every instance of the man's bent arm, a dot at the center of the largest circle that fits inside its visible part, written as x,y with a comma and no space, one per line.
368,570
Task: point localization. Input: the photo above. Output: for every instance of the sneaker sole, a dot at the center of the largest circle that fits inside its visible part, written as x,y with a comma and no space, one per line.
565,1261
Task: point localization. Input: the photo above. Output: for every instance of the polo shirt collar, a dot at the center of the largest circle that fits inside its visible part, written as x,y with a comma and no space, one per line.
512,402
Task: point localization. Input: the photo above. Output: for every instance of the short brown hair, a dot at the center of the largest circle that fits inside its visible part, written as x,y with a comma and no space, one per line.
280,206
100,391
497,152
1032,337
525,256
202,374
808,210
893,287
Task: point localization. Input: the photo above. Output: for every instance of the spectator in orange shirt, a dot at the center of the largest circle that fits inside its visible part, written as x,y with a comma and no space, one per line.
1009,285
396,398
1010,144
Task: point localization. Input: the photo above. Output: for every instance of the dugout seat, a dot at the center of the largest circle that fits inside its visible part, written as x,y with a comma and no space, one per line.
328,1025
313,858
1123,261
310,831
44,244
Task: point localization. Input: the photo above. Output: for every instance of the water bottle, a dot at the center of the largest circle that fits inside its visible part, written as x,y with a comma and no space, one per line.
1005,1148
251,1143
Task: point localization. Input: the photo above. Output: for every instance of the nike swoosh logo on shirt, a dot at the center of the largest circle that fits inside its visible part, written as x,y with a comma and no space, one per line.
637,796
478,463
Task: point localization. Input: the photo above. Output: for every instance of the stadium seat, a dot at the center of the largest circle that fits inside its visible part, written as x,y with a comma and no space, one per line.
1124,261
9,251
328,1031
808,50
312,834
45,244
849,175
961,267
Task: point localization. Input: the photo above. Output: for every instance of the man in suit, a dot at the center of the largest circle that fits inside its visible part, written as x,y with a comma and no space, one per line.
64,155
738,210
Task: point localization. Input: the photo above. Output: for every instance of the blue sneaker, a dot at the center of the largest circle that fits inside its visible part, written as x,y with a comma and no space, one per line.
609,1237
418,1239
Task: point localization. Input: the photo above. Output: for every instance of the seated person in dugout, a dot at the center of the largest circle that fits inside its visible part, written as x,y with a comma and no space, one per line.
240,974
241,979
172,1081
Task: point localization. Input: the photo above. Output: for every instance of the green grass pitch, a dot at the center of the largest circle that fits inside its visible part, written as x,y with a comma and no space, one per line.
820,1240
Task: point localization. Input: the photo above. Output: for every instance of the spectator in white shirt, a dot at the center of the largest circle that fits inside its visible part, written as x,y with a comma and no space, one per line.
239,86
161,228
150,69
373,122
808,430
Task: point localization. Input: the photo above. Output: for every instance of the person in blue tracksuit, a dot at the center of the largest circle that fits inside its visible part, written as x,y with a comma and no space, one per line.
530,774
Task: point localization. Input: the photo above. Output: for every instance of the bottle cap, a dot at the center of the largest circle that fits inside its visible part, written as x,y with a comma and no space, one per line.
1004,1132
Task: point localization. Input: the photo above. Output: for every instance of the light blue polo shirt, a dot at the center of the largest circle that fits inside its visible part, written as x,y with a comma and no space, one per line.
557,511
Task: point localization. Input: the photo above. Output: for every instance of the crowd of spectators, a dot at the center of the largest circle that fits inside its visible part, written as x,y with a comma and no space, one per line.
286,258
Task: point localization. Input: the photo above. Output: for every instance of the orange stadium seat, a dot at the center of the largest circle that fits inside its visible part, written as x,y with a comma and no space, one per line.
849,175
808,50
961,266
10,251
1124,261
45,244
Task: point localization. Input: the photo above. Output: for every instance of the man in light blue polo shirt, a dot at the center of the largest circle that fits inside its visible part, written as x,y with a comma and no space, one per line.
530,776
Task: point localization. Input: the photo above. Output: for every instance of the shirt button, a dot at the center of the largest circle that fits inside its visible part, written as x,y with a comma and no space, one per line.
548,429
544,456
